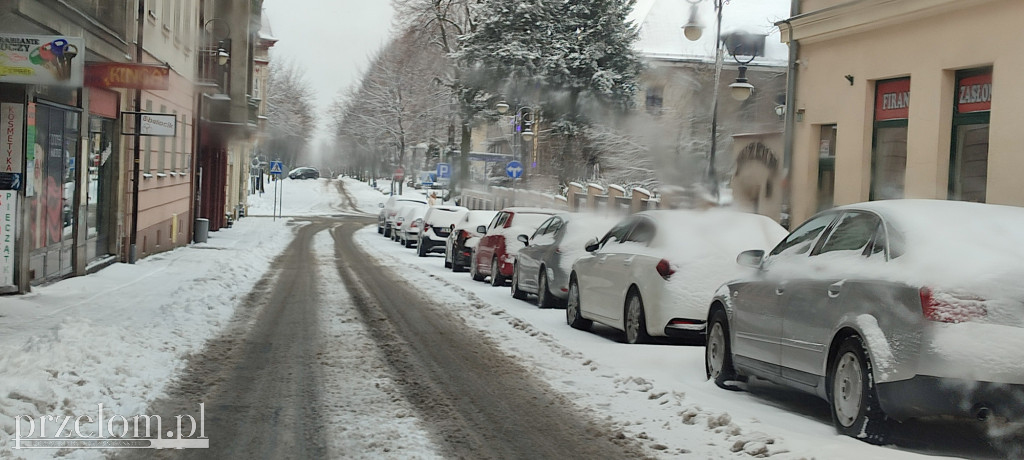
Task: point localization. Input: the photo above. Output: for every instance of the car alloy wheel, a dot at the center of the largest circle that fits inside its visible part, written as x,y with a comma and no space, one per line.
856,411
544,299
516,292
496,278
473,271
636,322
718,352
573,310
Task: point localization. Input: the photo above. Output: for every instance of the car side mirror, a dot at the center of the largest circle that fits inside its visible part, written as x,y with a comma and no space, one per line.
751,258
380,205
592,245
524,239
481,229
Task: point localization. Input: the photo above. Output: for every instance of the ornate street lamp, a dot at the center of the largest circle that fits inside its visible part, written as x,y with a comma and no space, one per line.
741,89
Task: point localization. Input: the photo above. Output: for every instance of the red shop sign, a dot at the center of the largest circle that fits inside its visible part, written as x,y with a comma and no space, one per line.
892,100
974,93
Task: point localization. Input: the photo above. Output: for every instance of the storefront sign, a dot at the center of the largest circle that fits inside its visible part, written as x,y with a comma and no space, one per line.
974,94
892,100
13,141
30,150
42,59
127,75
8,222
153,124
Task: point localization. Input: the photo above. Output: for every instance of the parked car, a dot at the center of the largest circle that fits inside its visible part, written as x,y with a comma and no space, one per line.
304,172
495,255
400,216
411,216
456,254
542,267
437,224
388,209
653,273
888,310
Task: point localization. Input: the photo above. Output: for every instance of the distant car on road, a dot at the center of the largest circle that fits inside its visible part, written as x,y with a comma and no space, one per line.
496,252
457,254
654,273
304,172
888,310
543,266
437,224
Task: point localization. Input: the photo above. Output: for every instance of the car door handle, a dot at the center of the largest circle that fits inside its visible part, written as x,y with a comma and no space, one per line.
628,261
834,290
600,260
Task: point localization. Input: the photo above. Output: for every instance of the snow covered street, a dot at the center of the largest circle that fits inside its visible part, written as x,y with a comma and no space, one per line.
124,336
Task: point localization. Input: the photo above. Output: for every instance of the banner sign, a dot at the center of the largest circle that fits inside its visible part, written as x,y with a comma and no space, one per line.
974,94
892,100
8,222
153,124
127,75
13,141
42,59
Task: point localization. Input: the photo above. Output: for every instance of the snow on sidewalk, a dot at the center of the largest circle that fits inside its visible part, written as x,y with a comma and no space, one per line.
119,336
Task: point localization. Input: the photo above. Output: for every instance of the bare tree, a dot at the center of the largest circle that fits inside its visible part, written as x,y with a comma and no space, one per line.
290,111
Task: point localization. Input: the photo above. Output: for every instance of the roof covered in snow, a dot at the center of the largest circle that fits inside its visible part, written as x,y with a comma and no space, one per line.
661,33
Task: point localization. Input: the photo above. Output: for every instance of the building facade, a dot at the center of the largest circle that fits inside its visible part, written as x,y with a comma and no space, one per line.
904,99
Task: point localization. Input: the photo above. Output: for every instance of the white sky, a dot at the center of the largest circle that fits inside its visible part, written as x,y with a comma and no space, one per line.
331,39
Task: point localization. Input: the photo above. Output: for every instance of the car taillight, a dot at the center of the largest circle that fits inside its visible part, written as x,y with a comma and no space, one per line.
664,269
948,307
426,227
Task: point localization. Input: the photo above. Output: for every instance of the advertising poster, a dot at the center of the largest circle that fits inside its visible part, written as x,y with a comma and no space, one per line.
42,59
8,222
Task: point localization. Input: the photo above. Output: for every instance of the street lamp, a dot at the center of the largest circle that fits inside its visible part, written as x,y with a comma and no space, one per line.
741,89
523,120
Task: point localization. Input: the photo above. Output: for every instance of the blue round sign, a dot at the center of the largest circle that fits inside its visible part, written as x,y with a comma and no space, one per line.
514,169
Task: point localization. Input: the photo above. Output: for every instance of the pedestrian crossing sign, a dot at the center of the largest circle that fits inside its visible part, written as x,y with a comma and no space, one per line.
276,167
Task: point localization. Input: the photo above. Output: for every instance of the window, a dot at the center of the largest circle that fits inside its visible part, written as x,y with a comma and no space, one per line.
744,44
889,144
643,232
826,167
853,233
968,160
543,228
148,152
556,224
162,153
499,220
802,239
618,232
654,100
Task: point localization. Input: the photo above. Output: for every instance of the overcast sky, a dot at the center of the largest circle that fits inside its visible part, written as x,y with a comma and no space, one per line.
331,39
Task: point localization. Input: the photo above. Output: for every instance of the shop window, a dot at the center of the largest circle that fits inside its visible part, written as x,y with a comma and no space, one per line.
968,164
889,144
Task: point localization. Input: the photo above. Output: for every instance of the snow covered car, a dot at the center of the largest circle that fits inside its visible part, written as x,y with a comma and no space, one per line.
495,255
888,310
397,227
437,224
412,217
386,218
654,273
457,254
542,267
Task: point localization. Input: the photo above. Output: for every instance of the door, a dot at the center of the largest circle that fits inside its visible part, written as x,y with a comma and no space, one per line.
757,321
485,249
811,305
597,275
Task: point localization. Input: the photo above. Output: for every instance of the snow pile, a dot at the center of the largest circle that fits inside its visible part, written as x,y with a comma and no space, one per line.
298,197
581,228
118,336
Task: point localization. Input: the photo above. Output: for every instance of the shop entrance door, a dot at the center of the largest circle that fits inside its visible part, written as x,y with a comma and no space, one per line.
53,188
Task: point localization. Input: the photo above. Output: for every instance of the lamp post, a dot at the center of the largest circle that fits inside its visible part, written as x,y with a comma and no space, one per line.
522,127
741,89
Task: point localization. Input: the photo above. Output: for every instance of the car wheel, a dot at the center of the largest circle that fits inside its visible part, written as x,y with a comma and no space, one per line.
496,278
573,313
387,232
380,229
855,408
473,270
420,249
447,263
516,292
636,320
544,297
718,352
407,242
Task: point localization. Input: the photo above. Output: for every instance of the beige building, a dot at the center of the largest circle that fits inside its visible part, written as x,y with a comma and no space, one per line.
905,98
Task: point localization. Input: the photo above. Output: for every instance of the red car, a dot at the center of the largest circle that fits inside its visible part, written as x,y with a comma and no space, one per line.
495,254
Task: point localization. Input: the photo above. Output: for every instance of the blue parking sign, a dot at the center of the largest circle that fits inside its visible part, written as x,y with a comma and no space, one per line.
444,171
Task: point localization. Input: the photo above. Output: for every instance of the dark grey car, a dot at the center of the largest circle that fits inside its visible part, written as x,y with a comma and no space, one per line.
888,310
543,266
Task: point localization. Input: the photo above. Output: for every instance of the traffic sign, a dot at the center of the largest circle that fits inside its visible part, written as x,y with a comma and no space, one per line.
276,168
514,169
399,173
444,171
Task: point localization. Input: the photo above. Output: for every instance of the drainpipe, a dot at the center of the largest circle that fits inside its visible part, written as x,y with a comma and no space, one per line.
787,137
133,238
